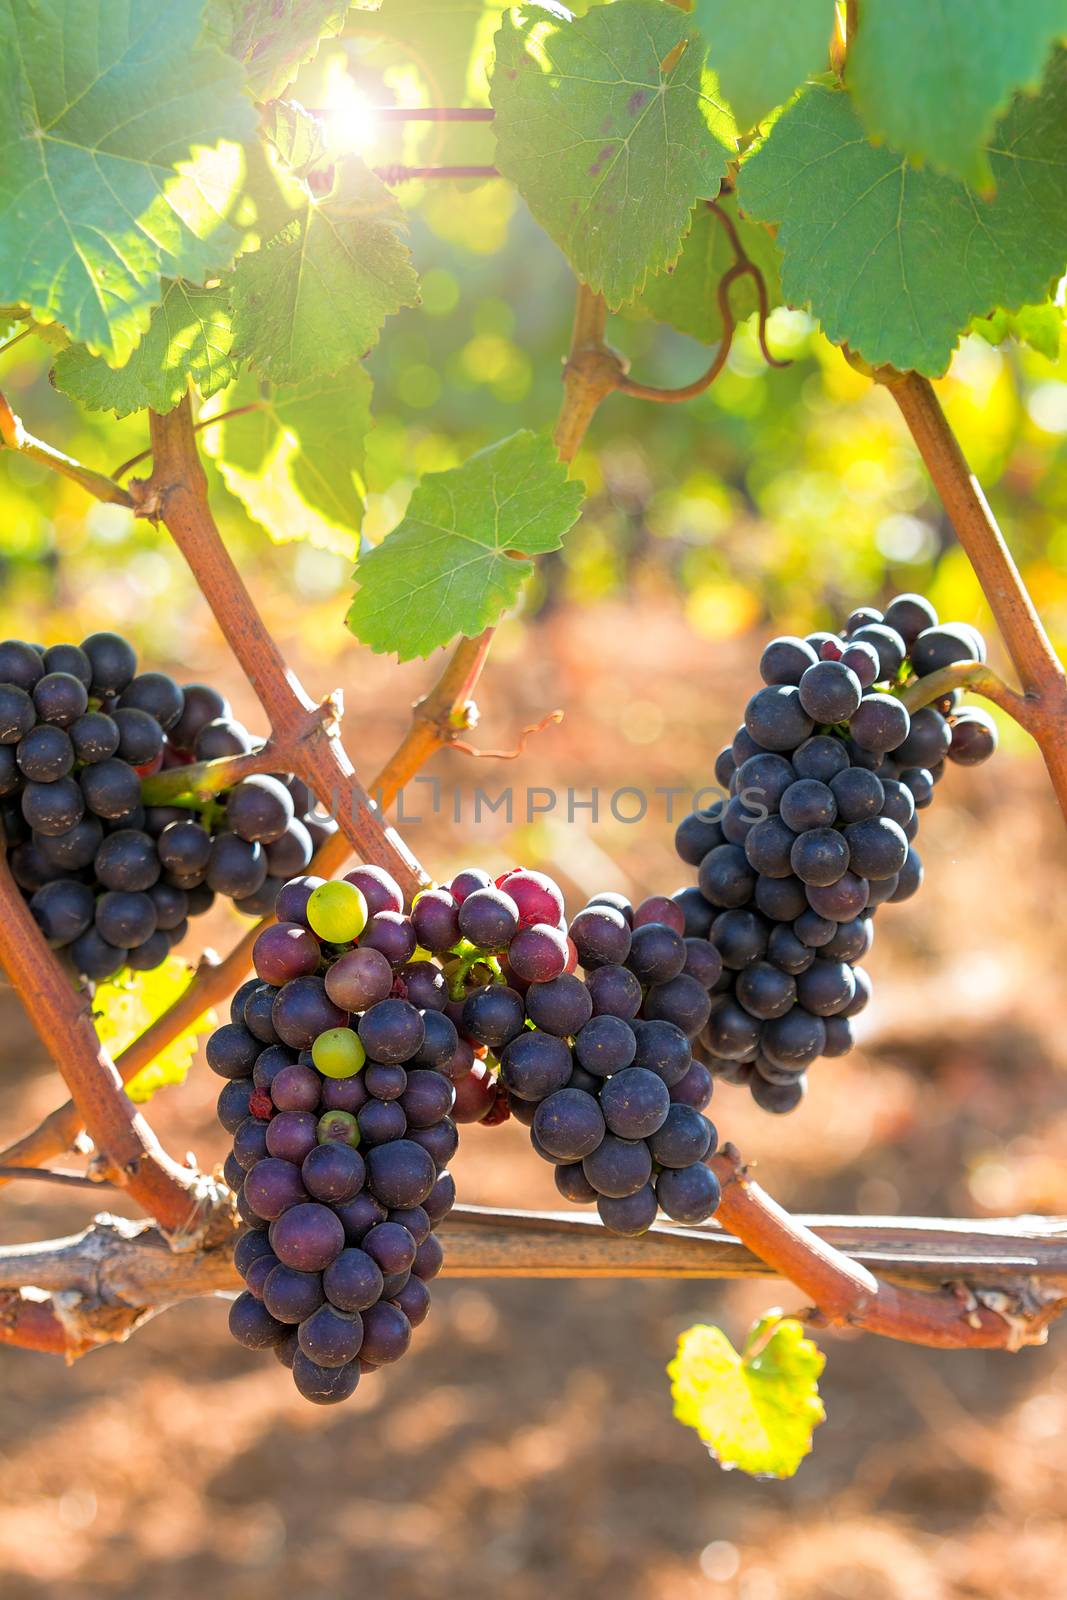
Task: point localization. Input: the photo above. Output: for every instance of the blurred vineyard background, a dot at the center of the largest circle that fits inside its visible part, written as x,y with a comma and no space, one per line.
528,1443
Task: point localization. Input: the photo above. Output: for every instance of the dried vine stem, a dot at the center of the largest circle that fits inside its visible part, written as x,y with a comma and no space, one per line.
1042,709
115,1274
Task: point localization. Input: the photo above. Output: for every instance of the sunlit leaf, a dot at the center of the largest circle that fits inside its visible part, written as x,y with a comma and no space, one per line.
757,1410
111,167
932,80
314,300
894,261
609,129
296,461
188,337
762,50
274,37
128,1004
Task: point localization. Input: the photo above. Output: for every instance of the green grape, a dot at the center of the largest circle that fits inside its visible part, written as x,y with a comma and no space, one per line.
338,1127
338,1053
337,912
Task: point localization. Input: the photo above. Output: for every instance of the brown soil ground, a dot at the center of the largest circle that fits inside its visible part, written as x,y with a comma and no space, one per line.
526,1446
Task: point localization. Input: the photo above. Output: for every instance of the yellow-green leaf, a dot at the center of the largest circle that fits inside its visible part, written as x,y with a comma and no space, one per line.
130,1003
756,1410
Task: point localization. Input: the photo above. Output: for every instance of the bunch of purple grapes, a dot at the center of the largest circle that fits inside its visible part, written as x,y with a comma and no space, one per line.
110,881
826,777
598,1066
337,1057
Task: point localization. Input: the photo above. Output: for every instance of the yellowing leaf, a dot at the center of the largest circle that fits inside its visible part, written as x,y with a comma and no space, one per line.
130,1003
757,1410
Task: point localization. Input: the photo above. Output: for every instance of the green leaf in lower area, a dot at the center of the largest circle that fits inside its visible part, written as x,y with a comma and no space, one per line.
460,555
932,80
609,128
113,165
896,262
296,460
188,338
128,1004
314,300
273,38
685,296
762,50
1040,327
757,1410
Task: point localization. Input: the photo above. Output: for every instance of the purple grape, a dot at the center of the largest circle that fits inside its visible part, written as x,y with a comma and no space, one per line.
427,1098
252,1324
391,1031
354,1281
303,1010
400,1174
688,1194
333,1172
273,1187
308,1236
569,1125
435,918
381,1122
386,1333
292,1135
290,1296
359,1214
631,1215
285,951
429,1258
618,1167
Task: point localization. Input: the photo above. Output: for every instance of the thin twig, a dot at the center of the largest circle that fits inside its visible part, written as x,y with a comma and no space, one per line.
71,1180
510,755
14,436
205,422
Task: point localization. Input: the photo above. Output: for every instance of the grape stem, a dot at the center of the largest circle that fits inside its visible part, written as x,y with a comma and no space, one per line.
1007,1277
973,675
203,780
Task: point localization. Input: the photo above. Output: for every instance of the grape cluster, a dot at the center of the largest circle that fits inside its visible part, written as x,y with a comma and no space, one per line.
337,1058
110,881
826,777
598,1066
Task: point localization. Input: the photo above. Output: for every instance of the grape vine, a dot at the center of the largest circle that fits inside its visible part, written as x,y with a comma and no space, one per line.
202,253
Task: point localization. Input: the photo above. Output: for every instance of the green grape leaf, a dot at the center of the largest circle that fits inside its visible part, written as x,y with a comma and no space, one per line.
296,461
757,1410
762,50
685,296
112,165
128,1004
1039,327
188,338
896,262
273,38
609,128
297,135
932,80
314,300
461,553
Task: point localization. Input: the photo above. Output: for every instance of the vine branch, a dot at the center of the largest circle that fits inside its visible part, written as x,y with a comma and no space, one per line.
993,1284
1043,707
